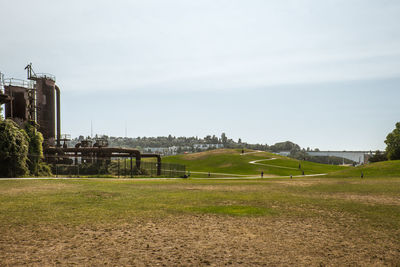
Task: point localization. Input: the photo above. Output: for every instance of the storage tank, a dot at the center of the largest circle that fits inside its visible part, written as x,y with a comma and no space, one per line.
45,103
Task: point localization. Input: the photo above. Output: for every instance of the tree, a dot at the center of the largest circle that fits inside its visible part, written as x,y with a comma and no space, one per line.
393,143
379,156
285,146
224,139
13,150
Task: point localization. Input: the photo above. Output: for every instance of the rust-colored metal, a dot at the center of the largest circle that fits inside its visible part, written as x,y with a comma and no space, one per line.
58,116
17,108
4,98
93,153
45,93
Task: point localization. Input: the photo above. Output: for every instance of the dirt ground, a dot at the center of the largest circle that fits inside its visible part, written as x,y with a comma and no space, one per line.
190,240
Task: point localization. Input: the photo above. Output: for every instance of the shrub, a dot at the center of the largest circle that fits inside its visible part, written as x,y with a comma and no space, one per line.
14,148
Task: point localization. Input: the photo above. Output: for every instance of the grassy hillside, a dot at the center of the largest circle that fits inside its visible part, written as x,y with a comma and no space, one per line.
374,170
230,161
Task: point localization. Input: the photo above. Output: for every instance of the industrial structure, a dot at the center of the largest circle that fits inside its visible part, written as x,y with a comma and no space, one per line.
37,101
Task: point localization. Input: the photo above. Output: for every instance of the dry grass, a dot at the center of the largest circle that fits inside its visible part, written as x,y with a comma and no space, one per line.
313,222
201,240
37,188
367,199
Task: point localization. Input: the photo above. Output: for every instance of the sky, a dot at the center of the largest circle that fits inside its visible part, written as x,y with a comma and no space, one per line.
323,74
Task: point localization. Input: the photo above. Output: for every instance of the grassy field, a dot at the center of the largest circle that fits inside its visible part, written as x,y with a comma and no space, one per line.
375,170
336,219
230,161
313,221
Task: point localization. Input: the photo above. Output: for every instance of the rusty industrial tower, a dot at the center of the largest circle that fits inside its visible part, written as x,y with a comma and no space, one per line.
37,101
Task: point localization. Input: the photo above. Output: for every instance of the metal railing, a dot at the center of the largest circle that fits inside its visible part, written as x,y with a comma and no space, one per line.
118,168
46,76
19,83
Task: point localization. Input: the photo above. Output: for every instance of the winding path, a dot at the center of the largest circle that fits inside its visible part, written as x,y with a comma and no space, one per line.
269,165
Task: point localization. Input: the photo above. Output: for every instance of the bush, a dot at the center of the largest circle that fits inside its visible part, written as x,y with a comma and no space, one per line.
393,143
14,148
35,151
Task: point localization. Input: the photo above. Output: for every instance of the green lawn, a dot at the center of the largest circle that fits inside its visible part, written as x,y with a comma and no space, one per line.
231,162
102,200
374,170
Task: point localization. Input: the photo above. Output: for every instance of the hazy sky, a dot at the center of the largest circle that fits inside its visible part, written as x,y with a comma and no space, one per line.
323,74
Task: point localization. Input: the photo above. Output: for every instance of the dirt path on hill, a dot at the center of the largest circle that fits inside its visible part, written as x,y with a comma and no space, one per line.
203,240
256,162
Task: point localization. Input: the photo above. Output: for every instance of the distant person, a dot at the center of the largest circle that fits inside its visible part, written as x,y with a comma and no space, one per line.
291,177
242,151
262,174
362,175
302,172
299,166
209,174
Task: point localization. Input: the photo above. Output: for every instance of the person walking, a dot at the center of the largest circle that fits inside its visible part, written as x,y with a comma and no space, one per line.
262,174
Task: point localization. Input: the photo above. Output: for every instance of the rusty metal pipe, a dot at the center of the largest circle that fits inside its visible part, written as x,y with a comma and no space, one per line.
58,116
109,151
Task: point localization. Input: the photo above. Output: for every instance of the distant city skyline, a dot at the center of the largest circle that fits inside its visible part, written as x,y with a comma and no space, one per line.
322,74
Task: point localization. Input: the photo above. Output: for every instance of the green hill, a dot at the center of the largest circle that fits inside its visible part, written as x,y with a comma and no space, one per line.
373,170
232,162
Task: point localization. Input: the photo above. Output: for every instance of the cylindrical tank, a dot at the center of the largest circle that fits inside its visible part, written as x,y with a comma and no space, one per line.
17,108
45,104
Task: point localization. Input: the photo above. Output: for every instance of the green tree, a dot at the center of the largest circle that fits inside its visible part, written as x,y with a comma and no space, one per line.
35,151
285,146
379,156
13,150
224,139
393,143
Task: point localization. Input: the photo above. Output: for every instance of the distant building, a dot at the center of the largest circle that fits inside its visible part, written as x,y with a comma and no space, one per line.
361,157
173,150
207,146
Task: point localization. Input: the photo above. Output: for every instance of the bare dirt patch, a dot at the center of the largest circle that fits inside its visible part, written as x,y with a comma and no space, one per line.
207,187
199,241
304,182
368,199
36,188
